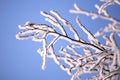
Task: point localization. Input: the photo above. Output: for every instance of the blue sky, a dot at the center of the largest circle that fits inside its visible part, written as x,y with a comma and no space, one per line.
19,60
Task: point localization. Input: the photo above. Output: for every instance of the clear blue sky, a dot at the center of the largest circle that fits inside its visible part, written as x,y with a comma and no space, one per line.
19,60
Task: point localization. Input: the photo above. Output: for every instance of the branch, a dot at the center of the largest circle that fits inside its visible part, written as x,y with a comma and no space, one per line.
53,21
78,57
94,15
66,23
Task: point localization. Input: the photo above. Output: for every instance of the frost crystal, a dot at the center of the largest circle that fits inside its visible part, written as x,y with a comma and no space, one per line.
103,59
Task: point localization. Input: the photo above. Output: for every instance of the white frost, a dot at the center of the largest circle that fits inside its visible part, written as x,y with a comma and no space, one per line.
79,56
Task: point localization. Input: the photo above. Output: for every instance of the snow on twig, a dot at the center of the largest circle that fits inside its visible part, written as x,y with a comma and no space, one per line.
67,23
103,59
53,21
94,15
91,37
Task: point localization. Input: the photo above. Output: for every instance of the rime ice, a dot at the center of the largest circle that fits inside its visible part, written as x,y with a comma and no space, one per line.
103,59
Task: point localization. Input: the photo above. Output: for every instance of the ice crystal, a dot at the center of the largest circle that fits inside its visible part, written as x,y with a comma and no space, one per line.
102,59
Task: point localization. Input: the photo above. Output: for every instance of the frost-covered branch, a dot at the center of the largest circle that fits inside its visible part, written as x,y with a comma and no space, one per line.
94,15
79,56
